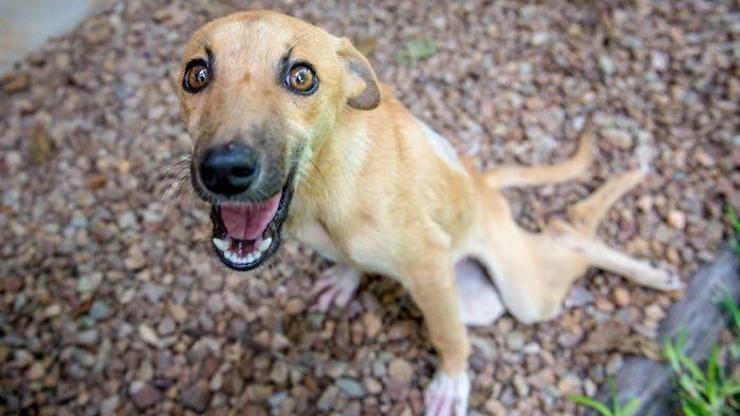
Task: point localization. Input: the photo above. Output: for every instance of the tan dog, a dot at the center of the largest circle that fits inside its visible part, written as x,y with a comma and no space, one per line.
291,126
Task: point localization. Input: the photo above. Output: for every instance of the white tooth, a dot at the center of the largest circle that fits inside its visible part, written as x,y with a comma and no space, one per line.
257,254
264,244
220,244
250,258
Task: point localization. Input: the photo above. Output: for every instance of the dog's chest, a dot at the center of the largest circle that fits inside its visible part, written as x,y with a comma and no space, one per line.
313,234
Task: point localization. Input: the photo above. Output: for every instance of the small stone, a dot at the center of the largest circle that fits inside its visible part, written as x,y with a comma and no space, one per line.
618,138
127,220
178,312
99,310
495,407
109,405
295,306
166,326
327,399
606,65
195,398
52,311
578,297
88,337
12,284
279,373
401,370
372,323
569,384
621,296
148,335
659,60
676,219
351,387
13,83
704,158
372,385
37,371
603,304
515,340
143,395
521,386
654,312
153,292
40,145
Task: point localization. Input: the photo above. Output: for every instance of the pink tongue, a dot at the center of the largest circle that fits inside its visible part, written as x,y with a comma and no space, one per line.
249,221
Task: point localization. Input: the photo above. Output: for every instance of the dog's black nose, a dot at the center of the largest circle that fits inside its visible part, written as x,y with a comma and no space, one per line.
229,169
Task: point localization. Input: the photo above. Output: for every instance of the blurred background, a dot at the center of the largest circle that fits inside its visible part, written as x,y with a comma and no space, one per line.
110,300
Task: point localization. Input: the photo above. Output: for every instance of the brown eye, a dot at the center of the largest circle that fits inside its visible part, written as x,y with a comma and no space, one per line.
302,80
196,77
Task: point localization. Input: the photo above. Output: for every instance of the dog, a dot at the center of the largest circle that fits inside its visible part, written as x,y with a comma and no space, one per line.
293,131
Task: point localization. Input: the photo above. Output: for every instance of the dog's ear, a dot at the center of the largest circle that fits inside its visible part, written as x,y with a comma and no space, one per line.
362,85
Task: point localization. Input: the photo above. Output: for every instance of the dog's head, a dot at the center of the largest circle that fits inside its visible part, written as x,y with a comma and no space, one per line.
259,91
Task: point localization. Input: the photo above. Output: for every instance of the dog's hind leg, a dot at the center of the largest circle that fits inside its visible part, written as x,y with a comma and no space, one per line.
604,257
509,176
588,213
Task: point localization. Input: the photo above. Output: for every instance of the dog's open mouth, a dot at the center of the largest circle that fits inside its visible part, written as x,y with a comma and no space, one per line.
246,234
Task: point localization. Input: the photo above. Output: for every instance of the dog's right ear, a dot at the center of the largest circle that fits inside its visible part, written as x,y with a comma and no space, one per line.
361,83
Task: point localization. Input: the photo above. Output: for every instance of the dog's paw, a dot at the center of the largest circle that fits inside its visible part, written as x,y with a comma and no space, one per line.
336,286
667,279
447,395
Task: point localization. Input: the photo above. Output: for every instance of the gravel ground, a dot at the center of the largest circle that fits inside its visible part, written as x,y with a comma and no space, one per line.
111,303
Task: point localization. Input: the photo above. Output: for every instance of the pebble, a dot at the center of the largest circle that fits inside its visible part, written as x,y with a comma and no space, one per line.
99,310
569,384
36,371
372,323
88,337
372,385
148,335
109,405
621,296
515,340
351,387
621,139
195,398
143,395
655,312
399,369
676,219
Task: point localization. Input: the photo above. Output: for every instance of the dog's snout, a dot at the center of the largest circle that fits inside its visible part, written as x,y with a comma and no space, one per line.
229,169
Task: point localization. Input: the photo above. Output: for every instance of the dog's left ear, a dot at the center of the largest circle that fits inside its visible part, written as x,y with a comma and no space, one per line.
362,85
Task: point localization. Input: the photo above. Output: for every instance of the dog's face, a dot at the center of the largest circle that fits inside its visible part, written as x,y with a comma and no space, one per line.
259,92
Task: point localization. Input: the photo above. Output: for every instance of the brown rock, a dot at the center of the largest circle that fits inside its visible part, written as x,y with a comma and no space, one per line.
401,370
196,397
372,323
13,83
676,219
143,395
621,296
40,145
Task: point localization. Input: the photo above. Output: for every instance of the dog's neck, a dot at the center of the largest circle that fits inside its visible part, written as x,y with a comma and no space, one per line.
331,173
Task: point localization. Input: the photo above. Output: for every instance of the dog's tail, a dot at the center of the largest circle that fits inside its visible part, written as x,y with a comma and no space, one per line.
509,176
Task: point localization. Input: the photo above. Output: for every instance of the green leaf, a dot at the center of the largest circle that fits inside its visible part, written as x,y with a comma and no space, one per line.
631,407
694,369
591,403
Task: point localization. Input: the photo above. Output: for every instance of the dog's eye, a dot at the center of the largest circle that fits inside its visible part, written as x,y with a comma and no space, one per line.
302,80
196,76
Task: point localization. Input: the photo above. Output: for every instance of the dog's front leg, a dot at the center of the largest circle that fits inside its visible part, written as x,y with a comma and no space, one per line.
336,286
432,286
